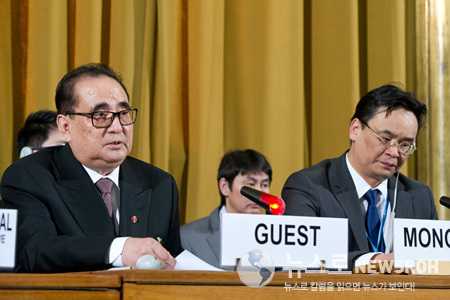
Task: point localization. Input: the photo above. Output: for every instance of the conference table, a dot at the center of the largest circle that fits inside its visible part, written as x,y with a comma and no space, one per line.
150,284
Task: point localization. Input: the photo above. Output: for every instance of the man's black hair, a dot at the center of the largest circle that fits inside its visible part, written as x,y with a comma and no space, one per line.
391,97
37,129
65,98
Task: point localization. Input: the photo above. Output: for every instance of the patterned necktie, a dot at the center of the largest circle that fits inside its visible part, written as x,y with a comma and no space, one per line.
105,186
373,220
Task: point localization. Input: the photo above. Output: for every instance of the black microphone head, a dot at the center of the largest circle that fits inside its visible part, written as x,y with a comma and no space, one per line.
254,195
445,201
270,203
251,193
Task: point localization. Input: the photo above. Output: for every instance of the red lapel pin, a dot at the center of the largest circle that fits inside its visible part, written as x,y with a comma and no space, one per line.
134,219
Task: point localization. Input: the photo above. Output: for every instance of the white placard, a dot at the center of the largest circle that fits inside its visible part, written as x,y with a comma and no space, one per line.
300,242
8,233
420,240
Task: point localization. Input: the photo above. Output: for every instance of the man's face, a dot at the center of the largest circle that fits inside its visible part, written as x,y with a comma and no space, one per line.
373,161
100,149
235,202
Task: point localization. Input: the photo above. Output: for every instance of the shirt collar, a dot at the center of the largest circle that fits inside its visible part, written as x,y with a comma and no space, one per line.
361,185
114,175
222,210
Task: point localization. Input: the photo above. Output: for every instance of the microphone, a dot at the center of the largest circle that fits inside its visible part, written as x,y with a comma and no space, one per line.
389,244
445,201
269,202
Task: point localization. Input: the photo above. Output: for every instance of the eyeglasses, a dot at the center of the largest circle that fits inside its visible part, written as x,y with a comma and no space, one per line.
403,148
102,119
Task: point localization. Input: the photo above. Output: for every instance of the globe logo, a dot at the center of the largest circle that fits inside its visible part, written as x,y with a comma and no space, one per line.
256,269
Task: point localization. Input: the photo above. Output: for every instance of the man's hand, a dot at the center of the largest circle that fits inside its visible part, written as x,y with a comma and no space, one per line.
134,248
382,257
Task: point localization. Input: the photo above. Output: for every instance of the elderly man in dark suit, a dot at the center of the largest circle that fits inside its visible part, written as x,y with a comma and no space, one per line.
67,221
361,184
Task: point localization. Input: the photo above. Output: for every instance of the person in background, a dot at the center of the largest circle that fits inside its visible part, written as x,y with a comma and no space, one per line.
238,168
88,205
39,131
360,185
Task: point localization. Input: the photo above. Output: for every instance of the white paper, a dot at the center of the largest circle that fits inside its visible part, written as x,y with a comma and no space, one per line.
188,261
119,268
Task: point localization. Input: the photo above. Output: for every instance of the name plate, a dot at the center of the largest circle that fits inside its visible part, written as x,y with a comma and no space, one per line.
8,233
300,242
415,240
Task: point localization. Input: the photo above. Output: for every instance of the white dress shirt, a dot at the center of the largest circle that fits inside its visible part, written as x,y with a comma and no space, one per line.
361,188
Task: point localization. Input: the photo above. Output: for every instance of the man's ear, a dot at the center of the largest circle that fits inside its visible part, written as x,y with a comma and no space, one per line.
63,126
224,187
355,129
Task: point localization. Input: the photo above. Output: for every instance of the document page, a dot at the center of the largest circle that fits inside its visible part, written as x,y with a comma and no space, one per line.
188,261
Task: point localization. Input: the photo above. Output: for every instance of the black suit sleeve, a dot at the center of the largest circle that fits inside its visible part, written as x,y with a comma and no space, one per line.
173,243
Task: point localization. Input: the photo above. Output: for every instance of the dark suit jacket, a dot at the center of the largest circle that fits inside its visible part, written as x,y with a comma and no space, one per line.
63,223
327,190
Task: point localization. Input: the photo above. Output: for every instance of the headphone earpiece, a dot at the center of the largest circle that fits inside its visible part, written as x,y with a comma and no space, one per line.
25,151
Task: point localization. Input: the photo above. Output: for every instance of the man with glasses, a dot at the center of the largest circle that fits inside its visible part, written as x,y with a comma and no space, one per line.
361,184
88,205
